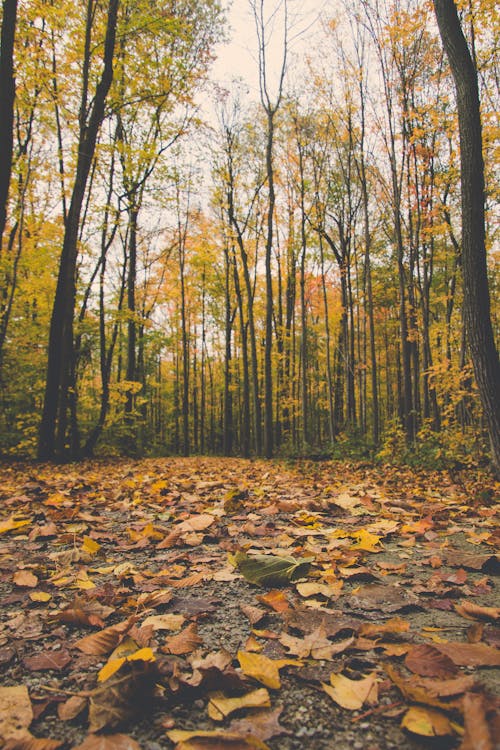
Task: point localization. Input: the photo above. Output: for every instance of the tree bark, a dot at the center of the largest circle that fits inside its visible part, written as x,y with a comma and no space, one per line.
474,264
7,97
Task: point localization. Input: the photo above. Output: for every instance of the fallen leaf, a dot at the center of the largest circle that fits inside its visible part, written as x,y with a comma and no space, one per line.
428,661
352,694
314,645
275,600
168,621
25,578
477,735
476,612
261,724
103,642
16,713
263,669
471,654
220,706
108,742
427,722
270,570
218,740
55,660
10,524
184,642
71,708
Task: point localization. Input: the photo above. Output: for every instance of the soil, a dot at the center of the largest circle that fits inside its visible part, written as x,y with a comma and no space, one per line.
436,549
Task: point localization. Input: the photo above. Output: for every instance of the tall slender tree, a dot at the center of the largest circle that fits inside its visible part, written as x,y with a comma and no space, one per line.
60,394
477,305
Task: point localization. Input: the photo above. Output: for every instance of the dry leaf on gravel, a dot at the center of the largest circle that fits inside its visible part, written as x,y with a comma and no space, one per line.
108,742
216,740
478,734
427,722
428,661
184,642
16,713
263,669
352,694
220,706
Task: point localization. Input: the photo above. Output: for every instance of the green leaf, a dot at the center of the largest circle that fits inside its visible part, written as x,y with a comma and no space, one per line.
270,570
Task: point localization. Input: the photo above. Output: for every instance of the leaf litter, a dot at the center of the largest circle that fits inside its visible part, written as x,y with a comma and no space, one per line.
224,603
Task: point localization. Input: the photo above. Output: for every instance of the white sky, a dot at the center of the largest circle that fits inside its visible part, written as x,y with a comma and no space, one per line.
238,58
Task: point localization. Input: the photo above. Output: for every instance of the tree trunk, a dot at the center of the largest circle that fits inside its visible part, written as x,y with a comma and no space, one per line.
474,264
60,367
7,97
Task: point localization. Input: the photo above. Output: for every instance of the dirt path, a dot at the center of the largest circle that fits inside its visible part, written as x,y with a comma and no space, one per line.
384,638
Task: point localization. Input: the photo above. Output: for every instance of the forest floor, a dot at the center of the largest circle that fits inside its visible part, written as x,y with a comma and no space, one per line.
232,604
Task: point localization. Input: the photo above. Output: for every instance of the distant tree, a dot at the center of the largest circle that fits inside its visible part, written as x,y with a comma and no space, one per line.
476,291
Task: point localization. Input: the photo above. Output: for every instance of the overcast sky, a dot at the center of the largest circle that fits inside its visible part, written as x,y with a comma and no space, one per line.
238,58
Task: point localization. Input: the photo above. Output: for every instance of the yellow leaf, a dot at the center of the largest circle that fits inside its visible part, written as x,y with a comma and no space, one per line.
90,546
114,663
168,621
263,669
220,706
144,654
220,738
109,669
352,694
426,722
40,596
10,525
366,541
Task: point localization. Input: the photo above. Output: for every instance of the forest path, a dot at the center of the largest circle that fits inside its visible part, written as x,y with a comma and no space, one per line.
124,611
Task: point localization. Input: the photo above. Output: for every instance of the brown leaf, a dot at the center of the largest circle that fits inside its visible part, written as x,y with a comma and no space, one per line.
184,642
476,612
384,598
254,614
16,713
103,642
275,599
83,611
315,645
122,696
56,660
262,724
71,708
28,742
108,742
25,578
477,734
471,654
428,661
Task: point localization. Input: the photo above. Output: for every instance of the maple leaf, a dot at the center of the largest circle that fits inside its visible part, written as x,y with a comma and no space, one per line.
352,694
263,669
315,645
